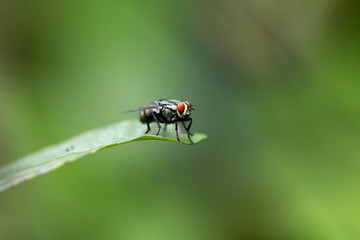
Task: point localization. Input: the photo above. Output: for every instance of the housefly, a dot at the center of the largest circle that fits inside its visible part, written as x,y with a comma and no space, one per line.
167,111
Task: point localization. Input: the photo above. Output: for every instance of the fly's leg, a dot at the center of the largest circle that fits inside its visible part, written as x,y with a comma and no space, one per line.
176,130
165,126
188,129
183,123
148,125
157,122
174,119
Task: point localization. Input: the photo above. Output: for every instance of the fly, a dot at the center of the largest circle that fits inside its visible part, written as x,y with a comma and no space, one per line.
167,111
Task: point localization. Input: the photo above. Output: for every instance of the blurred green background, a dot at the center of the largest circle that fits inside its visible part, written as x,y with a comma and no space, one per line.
276,87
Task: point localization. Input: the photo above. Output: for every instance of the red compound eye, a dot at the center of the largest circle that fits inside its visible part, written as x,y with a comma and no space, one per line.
189,104
181,107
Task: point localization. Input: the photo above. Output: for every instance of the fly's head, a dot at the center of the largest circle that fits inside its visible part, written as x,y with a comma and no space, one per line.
184,109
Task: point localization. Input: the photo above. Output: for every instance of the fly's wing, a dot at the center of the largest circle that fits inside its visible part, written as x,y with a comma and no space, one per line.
151,106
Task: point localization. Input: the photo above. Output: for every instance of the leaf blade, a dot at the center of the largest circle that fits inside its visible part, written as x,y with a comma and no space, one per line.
55,156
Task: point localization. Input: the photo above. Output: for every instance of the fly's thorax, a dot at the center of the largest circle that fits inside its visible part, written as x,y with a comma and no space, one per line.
168,113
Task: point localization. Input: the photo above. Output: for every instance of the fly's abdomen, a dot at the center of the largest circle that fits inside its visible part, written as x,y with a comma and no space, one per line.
146,116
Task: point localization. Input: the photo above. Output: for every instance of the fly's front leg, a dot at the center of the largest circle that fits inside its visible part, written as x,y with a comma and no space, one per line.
157,122
188,129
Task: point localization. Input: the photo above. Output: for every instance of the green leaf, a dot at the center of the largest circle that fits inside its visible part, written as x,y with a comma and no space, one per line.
55,156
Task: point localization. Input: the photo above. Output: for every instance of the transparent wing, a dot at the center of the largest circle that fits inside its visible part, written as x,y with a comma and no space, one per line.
151,106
